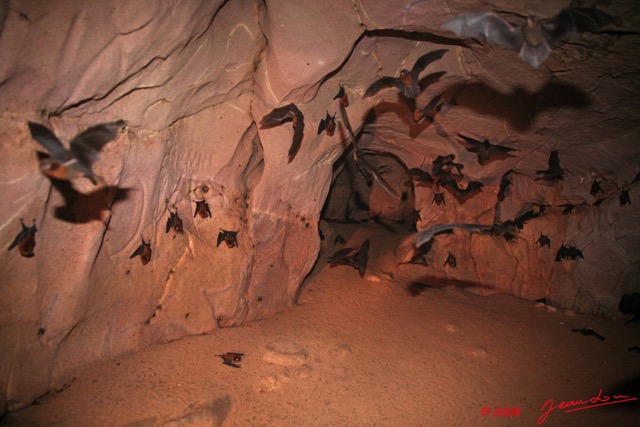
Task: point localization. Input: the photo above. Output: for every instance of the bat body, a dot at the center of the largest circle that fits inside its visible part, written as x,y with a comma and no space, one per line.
288,113
409,81
424,236
485,151
423,177
535,37
342,96
356,257
25,240
438,199
505,182
450,261
229,237
595,188
460,193
84,150
202,209
624,198
544,241
568,252
174,222
231,359
554,171
444,165
328,124
143,251
588,332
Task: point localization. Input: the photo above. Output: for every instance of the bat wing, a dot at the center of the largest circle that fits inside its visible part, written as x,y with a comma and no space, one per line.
424,236
221,236
169,224
383,83
574,20
432,107
472,145
425,60
495,149
45,137
487,26
87,145
137,252
363,258
554,161
342,253
298,133
279,115
19,237
324,123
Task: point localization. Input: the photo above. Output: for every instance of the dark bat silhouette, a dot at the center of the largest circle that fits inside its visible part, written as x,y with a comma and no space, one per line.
588,332
554,172
438,199
409,81
202,209
342,96
485,151
425,236
143,251
417,174
25,240
229,237
357,257
231,359
339,239
595,188
535,37
84,150
282,115
450,261
444,165
174,222
624,198
568,208
430,110
634,348
362,258
341,256
328,123
630,306
568,252
505,182
460,193
544,241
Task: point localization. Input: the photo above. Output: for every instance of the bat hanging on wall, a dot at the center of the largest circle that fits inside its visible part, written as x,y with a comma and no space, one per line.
25,240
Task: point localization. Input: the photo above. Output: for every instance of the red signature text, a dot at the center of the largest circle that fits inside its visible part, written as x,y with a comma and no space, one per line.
578,405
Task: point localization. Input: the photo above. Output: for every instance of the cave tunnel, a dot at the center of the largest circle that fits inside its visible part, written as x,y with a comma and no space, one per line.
267,212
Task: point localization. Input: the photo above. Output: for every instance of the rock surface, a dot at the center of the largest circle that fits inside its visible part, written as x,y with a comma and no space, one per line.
193,79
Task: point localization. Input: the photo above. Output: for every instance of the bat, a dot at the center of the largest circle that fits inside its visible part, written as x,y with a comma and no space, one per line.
341,256
424,236
84,150
624,198
460,193
408,83
485,151
342,96
362,258
438,199
554,172
339,239
418,258
544,241
450,261
595,188
231,359
229,237
25,240
634,348
505,182
568,252
430,110
630,305
534,38
202,209
282,115
174,222
417,174
444,165
328,123
568,208
357,257
143,251
588,332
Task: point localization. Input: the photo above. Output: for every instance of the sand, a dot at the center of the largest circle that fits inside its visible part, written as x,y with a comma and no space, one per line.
371,351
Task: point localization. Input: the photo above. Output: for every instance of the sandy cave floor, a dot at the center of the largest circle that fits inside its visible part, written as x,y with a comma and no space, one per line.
368,352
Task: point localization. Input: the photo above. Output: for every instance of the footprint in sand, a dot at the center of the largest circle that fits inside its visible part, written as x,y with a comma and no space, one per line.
291,357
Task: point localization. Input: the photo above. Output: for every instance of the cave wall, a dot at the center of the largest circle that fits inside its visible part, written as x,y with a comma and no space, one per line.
192,80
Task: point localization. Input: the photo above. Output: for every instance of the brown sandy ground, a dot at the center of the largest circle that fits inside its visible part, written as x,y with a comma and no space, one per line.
367,352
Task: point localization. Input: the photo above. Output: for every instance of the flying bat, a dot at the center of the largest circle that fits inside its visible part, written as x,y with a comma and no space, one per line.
424,236
328,123
485,151
554,172
84,150
417,174
505,182
430,110
544,241
342,96
202,209
595,188
231,359
450,261
229,237
356,257
408,83
460,193
174,222
588,332
143,251
25,240
535,37
282,115
624,198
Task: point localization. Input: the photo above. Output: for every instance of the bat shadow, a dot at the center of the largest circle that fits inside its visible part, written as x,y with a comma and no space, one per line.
80,207
523,107
417,287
